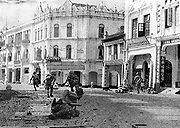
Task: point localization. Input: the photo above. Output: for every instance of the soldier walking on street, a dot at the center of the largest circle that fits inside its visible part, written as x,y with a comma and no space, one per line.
72,79
49,82
35,80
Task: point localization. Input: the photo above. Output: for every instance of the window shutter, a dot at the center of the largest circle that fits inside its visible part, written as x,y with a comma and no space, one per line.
141,29
169,17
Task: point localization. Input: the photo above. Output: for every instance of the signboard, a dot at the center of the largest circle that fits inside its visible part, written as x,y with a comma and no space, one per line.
171,41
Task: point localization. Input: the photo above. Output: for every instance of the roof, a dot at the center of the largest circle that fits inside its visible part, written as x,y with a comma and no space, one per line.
113,37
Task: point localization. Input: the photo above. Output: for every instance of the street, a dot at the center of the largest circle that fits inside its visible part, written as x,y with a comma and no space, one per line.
100,109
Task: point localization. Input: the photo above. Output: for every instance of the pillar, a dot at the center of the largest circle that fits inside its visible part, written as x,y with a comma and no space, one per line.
131,71
119,80
103,76
13,75
150,73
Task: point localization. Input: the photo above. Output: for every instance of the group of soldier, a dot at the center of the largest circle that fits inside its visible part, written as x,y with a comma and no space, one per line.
65,106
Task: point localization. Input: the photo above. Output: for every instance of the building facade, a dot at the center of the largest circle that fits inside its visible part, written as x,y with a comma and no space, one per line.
169,44
60,40
152,35
114,60
141,32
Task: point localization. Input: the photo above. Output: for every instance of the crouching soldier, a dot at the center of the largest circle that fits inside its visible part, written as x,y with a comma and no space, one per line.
65,108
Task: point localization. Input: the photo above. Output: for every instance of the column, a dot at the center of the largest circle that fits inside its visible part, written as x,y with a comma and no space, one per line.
112,57
131,71
6,75
103,76
107,54
13,75
118,45
119,80
150,73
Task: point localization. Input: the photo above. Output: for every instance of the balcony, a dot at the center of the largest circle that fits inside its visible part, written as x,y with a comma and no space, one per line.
53,59
138,42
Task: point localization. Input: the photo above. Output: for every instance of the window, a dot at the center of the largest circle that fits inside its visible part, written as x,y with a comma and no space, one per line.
11,39
55,51
147,24
45,53
101,31
69,30
18,37
176,15
39,51
46,31
141,29
134,27
26,34
26,53
168,17
38,33
18,55
35,34
121,48
115,52
56,30
4,57
41,33
10,56
68,51
110,52
101,52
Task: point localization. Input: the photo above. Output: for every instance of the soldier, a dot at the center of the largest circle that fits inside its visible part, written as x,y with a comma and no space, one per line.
64,108
138,81
49,82
72,79
35,80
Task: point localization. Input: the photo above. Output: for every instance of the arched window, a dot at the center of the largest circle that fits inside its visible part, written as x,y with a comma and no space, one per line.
69,30
56,30
55,51
101,51
101,30
68,51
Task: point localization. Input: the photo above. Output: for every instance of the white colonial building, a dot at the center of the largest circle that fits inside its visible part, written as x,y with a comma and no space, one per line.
60,40
152,35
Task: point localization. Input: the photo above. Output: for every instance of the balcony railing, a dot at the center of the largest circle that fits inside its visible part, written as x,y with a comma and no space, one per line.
53,59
